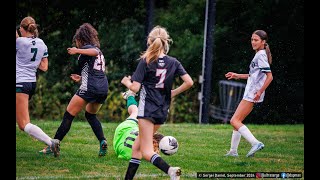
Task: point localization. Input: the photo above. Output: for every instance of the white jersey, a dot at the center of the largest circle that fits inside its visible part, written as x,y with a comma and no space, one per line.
29,52
258,67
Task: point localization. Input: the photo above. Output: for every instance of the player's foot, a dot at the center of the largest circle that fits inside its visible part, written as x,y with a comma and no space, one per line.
255,148
55,147
103,148
46,150
128,93
174,173
232,153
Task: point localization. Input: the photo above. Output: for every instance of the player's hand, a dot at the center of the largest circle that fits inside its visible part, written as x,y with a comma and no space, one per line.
231,75
72,50
126,80
75,77
257,96
173,93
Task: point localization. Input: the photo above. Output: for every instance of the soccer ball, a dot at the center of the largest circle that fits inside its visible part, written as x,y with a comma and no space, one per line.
168,145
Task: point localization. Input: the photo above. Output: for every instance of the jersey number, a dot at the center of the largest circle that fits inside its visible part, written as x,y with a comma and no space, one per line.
162,73
99,63
34,51
129,138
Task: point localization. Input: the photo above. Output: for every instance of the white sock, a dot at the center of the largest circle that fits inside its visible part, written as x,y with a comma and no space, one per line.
37,133
245,132
235,140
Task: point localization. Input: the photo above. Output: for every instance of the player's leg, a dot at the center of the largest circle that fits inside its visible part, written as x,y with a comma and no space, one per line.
74,107
147,149
91,116
243,110
135,160
23,119
132,106
235,140
24,91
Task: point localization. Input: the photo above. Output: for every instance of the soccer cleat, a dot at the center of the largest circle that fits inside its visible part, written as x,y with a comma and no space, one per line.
46,150
174,173
103,148
232,153
55,147
128,93
255,148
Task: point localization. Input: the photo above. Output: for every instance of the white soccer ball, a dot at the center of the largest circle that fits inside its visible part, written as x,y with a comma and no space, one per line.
168,145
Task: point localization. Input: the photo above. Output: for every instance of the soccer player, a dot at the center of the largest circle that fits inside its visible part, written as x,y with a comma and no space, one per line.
127,132
155,74
31,55
93,90
258,79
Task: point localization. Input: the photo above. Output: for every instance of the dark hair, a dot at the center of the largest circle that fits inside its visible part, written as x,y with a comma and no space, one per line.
29,25
263,35
87,34
156,139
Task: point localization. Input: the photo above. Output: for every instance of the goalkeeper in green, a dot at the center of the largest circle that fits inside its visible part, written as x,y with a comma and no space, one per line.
126,132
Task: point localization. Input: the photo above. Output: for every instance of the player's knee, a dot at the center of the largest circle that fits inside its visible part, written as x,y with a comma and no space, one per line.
89,116
234,121
147,154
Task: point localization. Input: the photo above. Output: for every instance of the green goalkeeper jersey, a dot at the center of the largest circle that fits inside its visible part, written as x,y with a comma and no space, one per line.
124,137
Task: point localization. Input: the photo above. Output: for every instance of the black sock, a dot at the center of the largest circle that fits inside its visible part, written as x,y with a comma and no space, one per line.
132,168
95,125
64,126
160,163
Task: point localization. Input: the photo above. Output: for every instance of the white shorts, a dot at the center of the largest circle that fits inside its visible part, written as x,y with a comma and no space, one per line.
250,94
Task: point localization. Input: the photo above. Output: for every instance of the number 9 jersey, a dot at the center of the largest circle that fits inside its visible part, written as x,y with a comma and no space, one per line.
29,52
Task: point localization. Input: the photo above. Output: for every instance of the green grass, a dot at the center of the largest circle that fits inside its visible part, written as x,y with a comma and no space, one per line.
201,149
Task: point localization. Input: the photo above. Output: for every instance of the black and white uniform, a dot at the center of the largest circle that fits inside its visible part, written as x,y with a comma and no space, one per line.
156,79
29,52
94,82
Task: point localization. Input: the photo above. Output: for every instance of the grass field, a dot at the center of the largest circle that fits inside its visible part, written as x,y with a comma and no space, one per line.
201,150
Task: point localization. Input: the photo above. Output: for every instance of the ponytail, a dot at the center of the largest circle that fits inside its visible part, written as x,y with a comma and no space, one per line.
158,42
268,53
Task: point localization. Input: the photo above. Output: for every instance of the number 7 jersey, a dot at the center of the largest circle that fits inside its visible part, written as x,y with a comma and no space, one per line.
29,52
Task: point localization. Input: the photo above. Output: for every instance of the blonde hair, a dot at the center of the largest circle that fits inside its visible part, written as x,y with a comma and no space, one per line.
158,42
29,25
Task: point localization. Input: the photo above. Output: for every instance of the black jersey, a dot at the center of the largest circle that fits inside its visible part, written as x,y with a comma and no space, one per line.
156,79
93,77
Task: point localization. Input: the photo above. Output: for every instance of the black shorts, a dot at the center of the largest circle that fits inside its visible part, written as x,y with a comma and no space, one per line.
92,97
26,88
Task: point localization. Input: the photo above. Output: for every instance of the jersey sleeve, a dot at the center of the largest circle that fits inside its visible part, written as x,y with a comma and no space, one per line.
140,72
180,71
18,43
45,54
263,63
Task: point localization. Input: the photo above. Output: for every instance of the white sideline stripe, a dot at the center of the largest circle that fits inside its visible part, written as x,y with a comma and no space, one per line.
103,176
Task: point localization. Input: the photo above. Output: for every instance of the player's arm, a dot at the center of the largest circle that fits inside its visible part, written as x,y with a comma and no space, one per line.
88,52
187,83
264,86
232,75
133,86
43,66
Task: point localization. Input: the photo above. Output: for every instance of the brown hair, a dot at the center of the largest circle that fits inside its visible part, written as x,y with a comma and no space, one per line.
263,35
29,25
156,139
158,42
87,34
